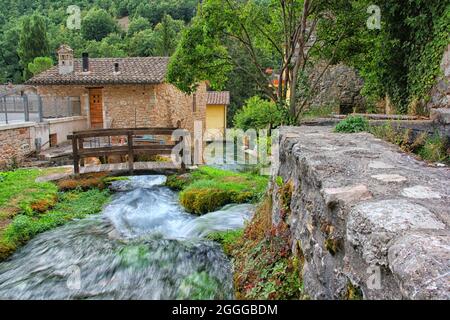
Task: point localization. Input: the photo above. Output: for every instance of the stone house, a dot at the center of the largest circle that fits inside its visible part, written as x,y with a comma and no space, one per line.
129,93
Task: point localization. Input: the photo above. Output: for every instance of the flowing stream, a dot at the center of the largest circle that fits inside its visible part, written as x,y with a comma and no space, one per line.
142,246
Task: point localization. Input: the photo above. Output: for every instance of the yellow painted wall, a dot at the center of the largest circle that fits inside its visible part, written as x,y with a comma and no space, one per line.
216,117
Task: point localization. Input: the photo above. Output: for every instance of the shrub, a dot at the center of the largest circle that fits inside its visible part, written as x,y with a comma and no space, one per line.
352,125
260,114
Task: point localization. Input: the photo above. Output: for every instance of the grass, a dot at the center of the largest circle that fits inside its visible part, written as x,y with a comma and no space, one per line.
71,205
28,208
432,148
19,192
435,149
208,189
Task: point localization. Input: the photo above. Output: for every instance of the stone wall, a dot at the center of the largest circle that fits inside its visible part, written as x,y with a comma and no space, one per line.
15,144
365,217
339,87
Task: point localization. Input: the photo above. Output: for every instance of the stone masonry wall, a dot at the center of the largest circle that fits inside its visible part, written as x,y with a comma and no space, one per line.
340,85
364,215
15,144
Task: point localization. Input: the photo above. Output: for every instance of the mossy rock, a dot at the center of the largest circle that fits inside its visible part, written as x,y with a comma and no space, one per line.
178,182
202,201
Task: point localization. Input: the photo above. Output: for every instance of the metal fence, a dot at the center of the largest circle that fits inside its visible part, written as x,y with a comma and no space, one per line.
24,108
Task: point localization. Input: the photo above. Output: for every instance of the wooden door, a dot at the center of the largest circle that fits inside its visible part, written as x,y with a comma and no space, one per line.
96,108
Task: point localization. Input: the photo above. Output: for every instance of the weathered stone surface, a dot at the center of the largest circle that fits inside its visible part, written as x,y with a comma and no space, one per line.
420,192
346,221
372,225
390,177
347,194
421,264
340,85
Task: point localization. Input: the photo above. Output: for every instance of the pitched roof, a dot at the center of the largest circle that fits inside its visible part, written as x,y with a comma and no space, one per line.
145,70
216,97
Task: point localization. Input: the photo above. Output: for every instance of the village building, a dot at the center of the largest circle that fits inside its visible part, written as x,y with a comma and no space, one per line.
129,93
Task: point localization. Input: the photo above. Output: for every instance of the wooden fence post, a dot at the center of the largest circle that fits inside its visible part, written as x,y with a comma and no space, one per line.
81,147
130,153
76,158
183,164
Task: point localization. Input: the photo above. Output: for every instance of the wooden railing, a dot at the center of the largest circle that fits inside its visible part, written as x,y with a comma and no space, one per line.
125,146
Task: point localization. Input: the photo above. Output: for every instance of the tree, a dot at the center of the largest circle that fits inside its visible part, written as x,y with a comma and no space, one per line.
10,70
138,24
33,41
268,31
97,24
40,64
142,44
167,35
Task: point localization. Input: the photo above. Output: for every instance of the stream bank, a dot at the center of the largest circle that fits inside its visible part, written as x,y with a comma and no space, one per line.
144,245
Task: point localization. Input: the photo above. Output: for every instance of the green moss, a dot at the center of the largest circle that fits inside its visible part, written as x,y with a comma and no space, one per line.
332,245
201,201
227,239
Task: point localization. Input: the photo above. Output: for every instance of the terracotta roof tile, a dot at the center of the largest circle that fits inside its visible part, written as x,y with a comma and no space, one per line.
216,97
145,70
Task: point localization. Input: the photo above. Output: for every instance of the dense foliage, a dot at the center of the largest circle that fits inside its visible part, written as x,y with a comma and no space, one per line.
401,60
260,114
36,28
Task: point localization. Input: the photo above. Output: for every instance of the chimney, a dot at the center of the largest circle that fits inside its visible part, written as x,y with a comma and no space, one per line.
65,59
116,67
85,62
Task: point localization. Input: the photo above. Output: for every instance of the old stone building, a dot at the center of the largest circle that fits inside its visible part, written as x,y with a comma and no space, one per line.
123,92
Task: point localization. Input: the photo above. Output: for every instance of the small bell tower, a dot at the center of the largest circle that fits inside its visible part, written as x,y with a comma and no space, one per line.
65,59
